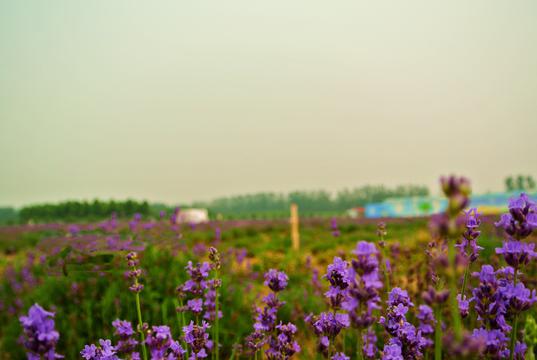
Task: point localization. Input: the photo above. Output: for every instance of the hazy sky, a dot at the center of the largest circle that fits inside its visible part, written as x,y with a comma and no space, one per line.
183,100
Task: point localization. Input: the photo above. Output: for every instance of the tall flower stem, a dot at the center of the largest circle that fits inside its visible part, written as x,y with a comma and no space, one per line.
438,334
456,317
136,287
140,324
381,232
385,269
515,326
359,354
182,322
465,280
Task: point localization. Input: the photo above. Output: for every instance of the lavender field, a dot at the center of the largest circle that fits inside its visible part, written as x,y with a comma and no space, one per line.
268,180
458,285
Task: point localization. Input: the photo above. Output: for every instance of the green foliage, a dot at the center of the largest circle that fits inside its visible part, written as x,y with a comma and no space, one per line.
520,183
82,210
320,202
8,215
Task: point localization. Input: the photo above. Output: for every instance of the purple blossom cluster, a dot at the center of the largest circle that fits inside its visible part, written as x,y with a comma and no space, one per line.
334,227
40,335
282,346
280,338
521,219
327,326
406,340
159,341
468,246
201,289
197,338
362,297
134,273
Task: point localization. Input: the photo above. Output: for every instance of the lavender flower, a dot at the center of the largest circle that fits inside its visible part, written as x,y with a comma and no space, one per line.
427,323
197,283
209,302
276,280
158,341
488,299
340,356
103,352
40,336
518,298
135,273
468,246
266,316
363,297
127,344
517,253
404,334
327,326
521,219
464,305
495,341
369,347
340,279
198,339
283,346
392,351
281,343
457,190
334,227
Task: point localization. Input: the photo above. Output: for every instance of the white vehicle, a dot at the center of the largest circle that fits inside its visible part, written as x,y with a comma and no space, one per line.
193,216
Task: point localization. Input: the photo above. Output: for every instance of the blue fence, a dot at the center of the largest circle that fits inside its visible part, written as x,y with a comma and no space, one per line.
493,203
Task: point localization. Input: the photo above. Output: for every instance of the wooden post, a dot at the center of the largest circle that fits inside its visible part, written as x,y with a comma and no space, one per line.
295,235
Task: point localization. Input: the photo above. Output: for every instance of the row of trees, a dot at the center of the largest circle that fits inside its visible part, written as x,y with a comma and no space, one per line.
520,183
8,215
73,210
308,201
260,205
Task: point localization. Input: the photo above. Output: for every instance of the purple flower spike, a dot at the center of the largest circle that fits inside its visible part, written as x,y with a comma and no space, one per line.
198,339
468,245
41,337
518,297
276,280
521,219
399,296
517,253
392,351
340,356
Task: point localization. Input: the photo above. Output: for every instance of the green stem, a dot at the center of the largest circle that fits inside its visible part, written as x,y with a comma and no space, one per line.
456,317
140,325
465,279
182,324
515,326
438,334
385,267
359,352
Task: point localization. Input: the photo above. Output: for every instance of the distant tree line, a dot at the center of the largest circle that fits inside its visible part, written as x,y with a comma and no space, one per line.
74,210
8,215
259,205
520,183
309,202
